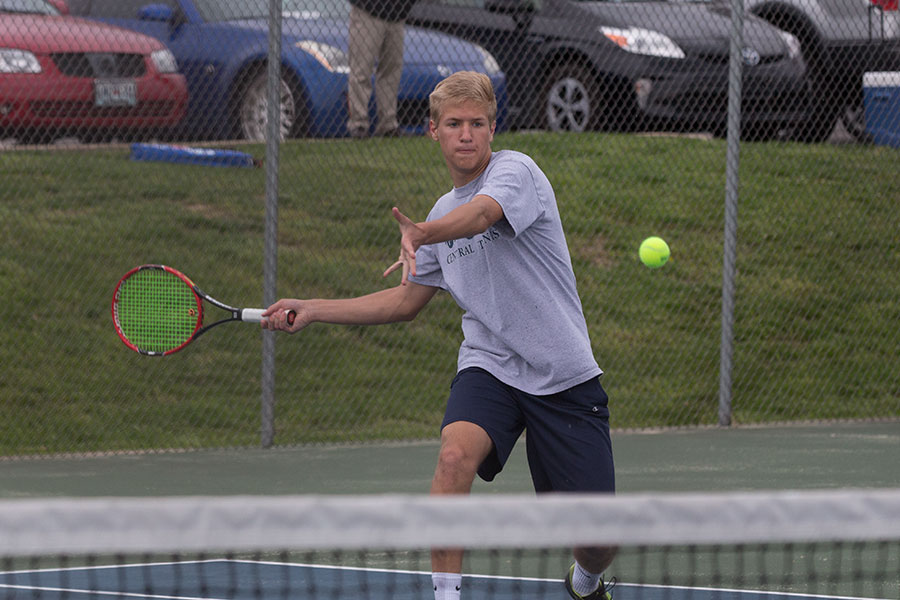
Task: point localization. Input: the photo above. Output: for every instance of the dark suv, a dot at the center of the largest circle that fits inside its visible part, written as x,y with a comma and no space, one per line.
575,65
841,40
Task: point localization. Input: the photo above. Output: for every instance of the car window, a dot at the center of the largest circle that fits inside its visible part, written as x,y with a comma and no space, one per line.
216,10
122,9
339,9
466,3
38,7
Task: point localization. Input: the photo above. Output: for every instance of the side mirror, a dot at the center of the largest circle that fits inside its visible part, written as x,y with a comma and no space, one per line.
155,12
61,5
162,13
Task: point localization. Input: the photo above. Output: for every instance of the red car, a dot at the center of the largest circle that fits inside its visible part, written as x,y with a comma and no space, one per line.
63,75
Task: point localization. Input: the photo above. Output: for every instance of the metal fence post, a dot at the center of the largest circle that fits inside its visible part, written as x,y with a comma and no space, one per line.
270,258
732,162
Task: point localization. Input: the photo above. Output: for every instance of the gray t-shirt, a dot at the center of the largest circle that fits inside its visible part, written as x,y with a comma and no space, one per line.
523,320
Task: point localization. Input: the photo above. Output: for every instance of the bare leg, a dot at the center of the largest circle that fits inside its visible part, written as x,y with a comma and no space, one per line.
595,559
463,448
585,580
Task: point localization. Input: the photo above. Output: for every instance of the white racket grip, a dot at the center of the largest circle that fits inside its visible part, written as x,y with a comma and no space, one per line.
252,315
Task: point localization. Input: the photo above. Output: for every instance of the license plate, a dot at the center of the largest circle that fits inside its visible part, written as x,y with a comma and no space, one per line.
115,93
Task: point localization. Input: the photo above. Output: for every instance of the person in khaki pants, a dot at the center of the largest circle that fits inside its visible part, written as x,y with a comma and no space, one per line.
376,45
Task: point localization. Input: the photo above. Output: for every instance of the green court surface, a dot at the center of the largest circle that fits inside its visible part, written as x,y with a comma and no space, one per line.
809,456
847,455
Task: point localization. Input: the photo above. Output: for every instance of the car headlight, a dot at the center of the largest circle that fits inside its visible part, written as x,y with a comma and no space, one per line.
18,61
643,41
164,61
490,64
332,58
792,43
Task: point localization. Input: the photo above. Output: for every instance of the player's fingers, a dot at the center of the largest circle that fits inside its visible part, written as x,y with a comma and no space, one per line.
277,317
281,320
287,319
399,216
273,308
392,268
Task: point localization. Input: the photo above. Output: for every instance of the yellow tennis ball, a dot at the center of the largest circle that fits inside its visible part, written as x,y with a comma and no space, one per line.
654,252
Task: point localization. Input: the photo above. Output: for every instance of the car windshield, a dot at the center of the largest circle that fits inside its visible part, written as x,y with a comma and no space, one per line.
216,10
34,7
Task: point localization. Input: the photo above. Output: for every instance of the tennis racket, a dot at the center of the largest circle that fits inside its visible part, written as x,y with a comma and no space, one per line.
157,310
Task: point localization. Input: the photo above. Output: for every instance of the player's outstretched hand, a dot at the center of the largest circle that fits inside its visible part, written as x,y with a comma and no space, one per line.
411,237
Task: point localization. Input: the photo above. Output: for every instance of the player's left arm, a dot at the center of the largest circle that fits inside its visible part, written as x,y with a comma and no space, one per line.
472,218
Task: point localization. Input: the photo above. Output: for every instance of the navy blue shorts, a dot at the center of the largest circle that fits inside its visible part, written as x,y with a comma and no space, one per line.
567,439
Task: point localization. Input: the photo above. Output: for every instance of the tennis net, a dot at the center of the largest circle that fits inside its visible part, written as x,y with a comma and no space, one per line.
730,546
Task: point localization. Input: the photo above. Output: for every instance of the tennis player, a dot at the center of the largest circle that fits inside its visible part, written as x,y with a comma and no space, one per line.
496,243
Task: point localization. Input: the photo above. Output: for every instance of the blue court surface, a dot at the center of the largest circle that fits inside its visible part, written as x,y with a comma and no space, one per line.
222,579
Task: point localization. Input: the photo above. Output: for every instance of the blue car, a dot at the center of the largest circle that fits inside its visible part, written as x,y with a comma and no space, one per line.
221,47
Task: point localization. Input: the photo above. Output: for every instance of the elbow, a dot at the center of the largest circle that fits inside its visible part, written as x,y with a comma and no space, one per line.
490,213
404,314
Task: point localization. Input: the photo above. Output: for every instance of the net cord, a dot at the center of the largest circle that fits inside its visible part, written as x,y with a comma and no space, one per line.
194,523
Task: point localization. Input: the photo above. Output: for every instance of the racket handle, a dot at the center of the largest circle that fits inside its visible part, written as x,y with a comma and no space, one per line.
254,315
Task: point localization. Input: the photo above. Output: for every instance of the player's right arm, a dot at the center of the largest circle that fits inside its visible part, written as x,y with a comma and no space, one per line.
400,303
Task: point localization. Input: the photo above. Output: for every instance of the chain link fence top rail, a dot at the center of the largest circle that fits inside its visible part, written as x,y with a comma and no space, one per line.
132,133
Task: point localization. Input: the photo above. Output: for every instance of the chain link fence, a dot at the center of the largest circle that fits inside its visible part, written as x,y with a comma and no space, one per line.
135,133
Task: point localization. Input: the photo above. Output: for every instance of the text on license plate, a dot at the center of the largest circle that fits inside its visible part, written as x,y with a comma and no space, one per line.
121,92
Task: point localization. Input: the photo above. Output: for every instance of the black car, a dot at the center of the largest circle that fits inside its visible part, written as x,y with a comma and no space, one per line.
619,64
841,41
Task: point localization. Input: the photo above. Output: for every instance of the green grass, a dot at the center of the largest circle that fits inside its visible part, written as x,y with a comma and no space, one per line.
816,333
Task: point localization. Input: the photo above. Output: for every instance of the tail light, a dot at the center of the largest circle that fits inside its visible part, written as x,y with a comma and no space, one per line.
885,5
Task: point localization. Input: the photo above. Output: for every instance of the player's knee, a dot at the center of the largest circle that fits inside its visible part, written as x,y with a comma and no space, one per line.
455,465
454,458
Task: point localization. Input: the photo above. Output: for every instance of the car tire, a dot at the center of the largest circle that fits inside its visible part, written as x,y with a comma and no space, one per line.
571,101
252,114
853,118
822,113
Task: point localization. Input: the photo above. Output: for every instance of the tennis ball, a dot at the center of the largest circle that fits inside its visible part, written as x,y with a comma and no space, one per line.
654,252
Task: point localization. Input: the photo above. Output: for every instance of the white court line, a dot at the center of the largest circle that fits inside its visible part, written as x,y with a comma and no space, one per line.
369,570
39,588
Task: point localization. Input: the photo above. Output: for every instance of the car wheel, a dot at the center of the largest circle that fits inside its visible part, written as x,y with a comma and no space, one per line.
854,120
822,113
571,101
253,110
822,109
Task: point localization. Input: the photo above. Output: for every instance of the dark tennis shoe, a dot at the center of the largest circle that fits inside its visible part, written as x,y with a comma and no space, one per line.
601,593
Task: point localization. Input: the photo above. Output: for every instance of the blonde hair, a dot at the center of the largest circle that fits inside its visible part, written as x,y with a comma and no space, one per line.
460,87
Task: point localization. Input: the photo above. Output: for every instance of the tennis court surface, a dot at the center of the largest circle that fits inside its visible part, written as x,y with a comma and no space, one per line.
813,544
267,580
769,513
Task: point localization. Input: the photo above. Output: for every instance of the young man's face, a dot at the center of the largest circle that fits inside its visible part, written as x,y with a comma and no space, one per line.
465,134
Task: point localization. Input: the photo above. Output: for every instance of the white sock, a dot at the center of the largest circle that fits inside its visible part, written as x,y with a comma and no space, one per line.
584,583
446,585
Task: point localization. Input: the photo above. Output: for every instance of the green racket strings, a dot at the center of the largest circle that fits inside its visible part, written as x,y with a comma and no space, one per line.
157,311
